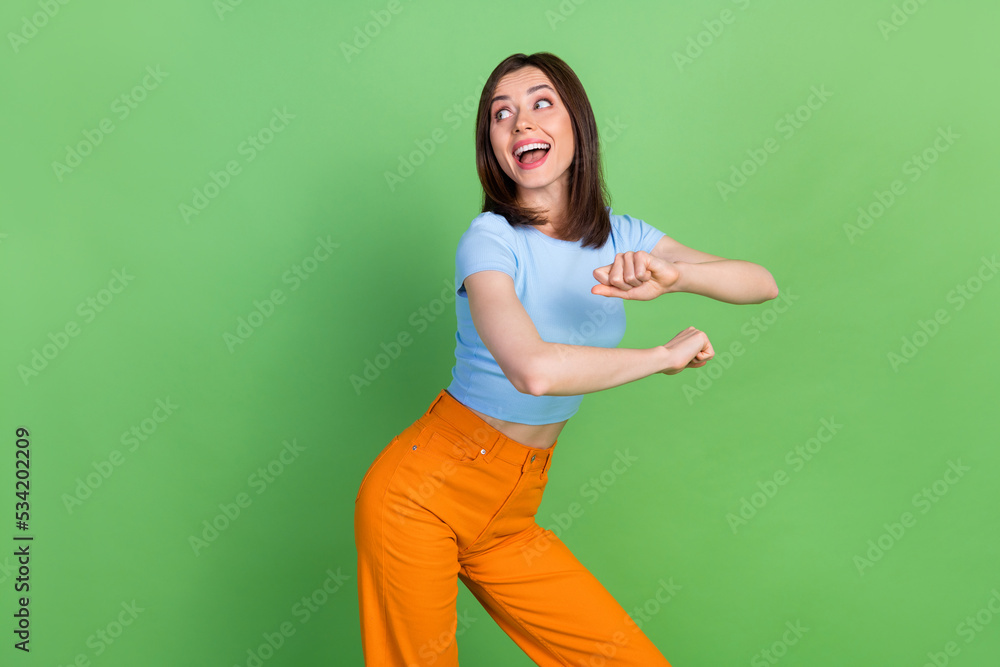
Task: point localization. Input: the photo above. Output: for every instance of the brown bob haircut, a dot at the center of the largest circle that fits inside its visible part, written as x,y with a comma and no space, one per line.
588,195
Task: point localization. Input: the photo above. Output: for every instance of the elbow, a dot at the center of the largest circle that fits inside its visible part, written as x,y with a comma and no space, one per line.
772,294
536,385
529,382
530,377
771,291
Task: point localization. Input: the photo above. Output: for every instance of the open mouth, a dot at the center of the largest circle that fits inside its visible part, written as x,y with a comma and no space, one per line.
532,155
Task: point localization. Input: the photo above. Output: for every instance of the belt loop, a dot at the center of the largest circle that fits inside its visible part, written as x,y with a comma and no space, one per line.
492,446
548,460
435,402
484,438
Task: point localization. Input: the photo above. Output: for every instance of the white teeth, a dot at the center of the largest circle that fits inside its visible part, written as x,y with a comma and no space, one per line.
529,147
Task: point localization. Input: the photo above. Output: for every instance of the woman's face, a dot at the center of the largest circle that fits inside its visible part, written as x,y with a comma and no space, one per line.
529,111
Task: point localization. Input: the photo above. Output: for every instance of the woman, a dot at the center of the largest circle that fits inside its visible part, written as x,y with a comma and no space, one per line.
540,277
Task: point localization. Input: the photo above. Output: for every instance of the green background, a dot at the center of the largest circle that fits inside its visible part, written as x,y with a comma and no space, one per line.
671,131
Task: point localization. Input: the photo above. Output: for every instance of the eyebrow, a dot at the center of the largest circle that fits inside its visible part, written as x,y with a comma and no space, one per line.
530,91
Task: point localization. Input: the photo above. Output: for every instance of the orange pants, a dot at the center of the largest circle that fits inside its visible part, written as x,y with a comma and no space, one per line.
451,497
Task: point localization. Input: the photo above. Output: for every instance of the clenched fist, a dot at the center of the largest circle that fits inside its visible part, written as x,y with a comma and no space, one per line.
636,275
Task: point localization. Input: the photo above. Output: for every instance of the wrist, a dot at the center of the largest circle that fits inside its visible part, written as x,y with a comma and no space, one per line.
661,357
680,282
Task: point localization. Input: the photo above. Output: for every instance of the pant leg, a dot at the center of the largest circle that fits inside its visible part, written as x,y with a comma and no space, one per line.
407,562
429,494
452,497
553,607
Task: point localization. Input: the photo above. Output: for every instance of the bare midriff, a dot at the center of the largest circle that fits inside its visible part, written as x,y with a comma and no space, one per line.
541,436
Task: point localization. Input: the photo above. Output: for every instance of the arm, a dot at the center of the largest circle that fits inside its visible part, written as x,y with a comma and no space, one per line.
730,280
672,267
540,368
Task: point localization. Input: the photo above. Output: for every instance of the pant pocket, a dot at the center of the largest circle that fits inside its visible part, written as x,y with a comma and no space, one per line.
446,449
385,450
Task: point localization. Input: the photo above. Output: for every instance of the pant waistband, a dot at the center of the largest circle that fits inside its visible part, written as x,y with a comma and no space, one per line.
486,440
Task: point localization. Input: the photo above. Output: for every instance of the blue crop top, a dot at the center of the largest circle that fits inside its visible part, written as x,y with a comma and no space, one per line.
552,279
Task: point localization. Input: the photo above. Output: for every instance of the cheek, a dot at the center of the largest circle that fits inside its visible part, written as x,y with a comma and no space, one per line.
567,134
498,156
495,146
568,145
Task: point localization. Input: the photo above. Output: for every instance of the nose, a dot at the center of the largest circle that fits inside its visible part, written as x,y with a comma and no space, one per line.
524,121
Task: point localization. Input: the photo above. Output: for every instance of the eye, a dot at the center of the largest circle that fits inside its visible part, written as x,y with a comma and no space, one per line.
499,111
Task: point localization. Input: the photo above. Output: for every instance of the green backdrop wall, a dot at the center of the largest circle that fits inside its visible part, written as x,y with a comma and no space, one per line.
216,213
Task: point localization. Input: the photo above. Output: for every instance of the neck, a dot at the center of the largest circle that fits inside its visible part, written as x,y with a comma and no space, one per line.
552,206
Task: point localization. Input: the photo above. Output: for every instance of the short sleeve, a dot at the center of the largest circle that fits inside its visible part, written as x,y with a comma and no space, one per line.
638,234
488,244
648,236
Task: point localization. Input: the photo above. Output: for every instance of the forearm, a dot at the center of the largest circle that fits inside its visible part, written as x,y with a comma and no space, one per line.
557,369
729,280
